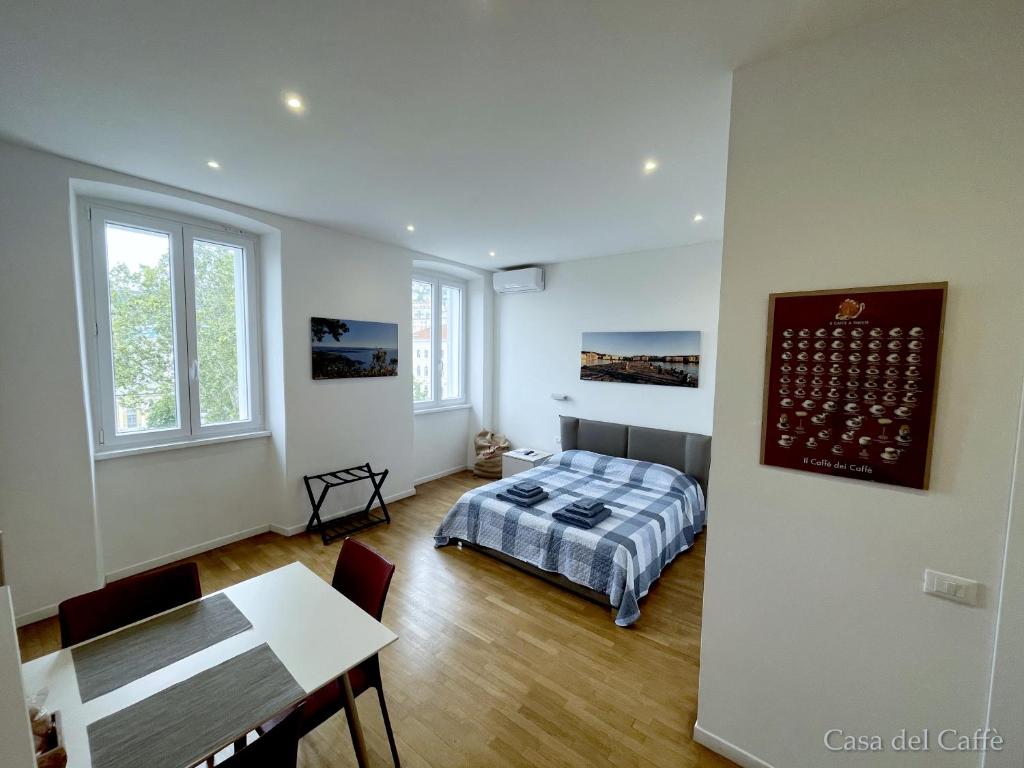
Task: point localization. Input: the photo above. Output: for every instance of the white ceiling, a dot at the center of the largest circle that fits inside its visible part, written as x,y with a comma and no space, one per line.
518,126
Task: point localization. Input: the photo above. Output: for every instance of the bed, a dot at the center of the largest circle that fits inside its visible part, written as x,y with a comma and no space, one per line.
653,480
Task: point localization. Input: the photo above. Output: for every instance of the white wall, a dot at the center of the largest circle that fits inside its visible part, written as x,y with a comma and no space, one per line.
441,440
889,154
149,508
540,336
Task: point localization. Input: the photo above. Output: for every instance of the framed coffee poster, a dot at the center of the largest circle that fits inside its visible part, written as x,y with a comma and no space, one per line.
850,382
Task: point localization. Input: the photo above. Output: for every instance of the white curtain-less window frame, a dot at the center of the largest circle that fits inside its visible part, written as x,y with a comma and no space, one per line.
437,399
182,234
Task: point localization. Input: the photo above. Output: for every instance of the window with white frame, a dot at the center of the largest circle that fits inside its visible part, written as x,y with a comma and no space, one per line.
176,354
438,339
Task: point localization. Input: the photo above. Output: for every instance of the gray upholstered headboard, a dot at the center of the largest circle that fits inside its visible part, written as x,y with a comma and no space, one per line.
686,451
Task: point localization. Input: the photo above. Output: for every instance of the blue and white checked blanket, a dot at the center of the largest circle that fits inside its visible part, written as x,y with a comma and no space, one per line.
656,512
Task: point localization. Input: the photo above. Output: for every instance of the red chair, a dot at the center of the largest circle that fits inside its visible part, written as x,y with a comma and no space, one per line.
126,601
363,576
277,747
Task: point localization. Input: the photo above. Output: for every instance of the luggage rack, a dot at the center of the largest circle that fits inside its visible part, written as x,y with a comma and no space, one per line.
340,527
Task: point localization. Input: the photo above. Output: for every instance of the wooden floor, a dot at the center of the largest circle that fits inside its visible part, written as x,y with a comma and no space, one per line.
493,666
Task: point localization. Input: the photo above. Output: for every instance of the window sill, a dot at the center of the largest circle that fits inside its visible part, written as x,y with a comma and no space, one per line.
442,408
118,453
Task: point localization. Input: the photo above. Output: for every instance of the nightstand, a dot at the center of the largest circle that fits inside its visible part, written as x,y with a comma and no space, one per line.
514,462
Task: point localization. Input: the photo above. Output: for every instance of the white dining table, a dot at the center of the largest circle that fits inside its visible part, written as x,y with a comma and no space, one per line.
316,633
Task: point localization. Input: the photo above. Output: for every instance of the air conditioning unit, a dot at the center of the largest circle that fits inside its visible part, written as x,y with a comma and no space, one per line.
519,280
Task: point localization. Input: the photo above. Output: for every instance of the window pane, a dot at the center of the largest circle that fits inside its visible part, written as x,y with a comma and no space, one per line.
422,314
451,342
141,329
221,332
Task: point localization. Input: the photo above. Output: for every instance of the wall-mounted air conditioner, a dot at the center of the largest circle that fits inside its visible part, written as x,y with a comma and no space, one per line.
519,280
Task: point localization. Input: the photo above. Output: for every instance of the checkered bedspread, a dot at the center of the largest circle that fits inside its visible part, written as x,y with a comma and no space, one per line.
656,512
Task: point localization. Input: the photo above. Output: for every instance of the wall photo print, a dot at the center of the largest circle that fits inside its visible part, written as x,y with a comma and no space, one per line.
350,349
665,358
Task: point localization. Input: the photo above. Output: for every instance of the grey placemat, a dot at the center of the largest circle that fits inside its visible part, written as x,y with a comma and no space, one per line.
188,721
107,664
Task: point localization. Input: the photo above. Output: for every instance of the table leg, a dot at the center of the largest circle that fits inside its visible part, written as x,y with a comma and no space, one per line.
354,727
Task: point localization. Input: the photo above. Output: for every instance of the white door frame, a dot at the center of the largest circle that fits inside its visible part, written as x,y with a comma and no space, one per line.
1006,694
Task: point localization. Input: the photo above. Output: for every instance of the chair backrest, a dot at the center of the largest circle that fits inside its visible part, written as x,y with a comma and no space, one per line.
363,575
276,748
126,601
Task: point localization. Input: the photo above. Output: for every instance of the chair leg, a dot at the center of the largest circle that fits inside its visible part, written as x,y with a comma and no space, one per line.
387,727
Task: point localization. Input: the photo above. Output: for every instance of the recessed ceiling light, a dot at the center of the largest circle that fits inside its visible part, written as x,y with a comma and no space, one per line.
295,103
492,254
698,218
411,227
650,166
213,164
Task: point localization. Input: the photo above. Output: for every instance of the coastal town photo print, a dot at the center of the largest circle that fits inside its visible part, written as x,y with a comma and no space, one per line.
665,358
350,349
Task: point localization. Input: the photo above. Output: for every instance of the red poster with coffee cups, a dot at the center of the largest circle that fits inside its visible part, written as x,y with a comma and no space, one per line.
851,380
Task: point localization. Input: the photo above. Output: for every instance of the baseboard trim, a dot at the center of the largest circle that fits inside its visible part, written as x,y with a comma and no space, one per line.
291,530
206,546
727,749
442,473
37,615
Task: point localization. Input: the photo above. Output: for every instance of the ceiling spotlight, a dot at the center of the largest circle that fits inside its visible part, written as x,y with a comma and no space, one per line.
492,254
213,164
410,227
698,218
295,103
650,166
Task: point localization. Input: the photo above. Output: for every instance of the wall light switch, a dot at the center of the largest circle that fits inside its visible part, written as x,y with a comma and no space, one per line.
951,587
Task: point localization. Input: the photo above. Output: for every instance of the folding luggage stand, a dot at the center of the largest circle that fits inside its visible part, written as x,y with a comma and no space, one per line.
340,527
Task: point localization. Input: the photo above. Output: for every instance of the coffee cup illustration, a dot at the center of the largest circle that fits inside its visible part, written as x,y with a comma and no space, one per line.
874,357
895,332
915,345
853,370
837,344
870,397
808,404
917,332
849,309
787,403
821,332
875,344
818,418
799,392
837,450
819,369
903,434
836,357
855,357
812,443
838,333
857,333
788,332
913,372
903,411
855,423
889,397
913,357
829,406
851,407
895,344
786,440
878,410
876,333
864,440
890,454
820,344
802,356
893,358
856,345
847,436
910,397
804,333
825,434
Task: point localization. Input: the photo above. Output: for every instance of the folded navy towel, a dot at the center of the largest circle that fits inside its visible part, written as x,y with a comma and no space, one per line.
513,491
587,504
522,502
579,521
527,487
572,509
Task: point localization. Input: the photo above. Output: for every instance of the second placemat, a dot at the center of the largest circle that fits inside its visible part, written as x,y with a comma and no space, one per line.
107,664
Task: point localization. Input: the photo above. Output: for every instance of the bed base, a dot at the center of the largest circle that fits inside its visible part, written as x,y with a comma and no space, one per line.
557,579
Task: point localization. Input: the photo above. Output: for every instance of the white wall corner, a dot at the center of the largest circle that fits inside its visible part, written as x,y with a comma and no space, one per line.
727,749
